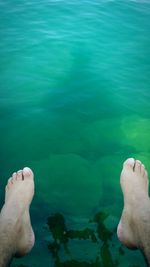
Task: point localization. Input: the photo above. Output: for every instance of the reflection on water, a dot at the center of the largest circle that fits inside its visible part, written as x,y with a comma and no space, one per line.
63,240
101,235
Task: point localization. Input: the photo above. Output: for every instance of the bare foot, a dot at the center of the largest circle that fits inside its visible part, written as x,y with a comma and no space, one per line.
15,212
134,184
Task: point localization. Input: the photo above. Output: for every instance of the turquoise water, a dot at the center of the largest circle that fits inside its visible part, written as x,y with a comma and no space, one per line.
74,104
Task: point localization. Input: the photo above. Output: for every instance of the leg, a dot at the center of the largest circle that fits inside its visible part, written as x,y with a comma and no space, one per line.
134,226
16,234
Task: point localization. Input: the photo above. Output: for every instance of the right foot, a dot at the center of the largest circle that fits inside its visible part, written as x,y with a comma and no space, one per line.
15,212
134,183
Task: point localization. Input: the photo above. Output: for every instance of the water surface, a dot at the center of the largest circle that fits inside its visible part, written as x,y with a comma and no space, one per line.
74,104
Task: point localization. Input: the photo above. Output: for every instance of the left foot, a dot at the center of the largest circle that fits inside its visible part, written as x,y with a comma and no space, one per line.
15,212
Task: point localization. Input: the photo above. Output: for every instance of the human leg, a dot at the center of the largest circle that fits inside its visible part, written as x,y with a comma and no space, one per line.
134,226
16,234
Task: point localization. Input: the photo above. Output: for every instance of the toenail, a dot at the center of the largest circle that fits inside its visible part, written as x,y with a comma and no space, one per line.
27,170
130,161
138,161
19,172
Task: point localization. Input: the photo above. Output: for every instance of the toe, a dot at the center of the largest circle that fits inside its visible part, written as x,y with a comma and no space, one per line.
142,169
19,175
145,174
6,189
10,182
27,173
137,167
14,177
129,163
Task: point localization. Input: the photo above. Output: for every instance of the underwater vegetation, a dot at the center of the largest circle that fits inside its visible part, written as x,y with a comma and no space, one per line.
101,235
108,253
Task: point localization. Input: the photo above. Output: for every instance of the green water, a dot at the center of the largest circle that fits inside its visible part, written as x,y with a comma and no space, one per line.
74,104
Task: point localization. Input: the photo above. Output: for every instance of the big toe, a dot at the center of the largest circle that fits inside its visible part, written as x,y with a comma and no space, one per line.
27,173
129,164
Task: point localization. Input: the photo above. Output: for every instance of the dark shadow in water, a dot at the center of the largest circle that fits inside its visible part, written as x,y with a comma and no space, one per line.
101,235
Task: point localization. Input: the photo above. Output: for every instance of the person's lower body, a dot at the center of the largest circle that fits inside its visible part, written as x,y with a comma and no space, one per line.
16,234
134,226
